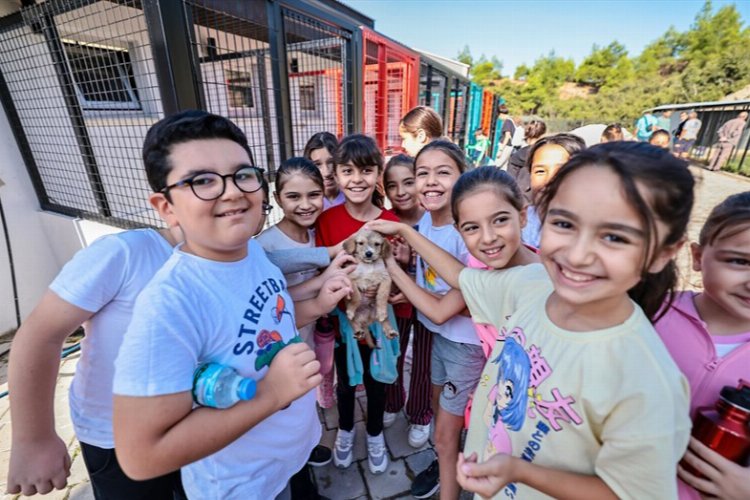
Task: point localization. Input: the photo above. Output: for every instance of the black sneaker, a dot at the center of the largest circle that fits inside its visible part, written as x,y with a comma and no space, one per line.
320,456
427,482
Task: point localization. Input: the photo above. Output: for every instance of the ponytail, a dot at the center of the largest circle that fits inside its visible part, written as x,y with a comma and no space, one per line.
655,292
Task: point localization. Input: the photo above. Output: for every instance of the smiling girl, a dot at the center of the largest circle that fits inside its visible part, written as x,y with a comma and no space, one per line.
708,334
358,167
299,193
607,411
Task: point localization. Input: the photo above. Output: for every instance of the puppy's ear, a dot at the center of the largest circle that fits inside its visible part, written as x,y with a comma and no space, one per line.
350,245
387,250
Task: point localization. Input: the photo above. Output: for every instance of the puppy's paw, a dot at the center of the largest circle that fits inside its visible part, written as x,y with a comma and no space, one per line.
390,333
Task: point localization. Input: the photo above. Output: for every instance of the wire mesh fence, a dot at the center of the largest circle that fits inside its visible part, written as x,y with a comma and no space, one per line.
81,78
83,84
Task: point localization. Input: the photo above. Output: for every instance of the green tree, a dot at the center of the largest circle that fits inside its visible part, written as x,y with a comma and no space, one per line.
705,62
485,72
605,65
464,56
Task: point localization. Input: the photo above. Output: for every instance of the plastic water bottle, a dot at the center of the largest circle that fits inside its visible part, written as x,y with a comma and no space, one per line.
219,386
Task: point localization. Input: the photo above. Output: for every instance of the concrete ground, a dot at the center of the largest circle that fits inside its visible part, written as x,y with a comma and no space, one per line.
356,482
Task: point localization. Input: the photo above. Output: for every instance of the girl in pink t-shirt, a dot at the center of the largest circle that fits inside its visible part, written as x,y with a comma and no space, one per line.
708,335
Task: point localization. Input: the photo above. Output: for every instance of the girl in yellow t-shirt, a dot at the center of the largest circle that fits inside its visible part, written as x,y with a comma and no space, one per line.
606,409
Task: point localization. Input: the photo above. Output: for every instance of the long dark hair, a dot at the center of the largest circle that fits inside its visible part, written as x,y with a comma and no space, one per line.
670,200
362,151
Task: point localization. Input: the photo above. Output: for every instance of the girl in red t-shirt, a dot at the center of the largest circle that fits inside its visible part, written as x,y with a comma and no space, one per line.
358,166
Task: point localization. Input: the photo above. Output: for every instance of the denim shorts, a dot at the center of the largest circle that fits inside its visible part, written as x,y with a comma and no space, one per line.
457,368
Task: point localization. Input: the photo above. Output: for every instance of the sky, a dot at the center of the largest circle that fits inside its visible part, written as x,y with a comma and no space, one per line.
518,32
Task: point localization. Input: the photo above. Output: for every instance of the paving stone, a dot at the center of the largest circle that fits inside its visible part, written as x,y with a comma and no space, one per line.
78,472
420,461
340,484
388,484
82,491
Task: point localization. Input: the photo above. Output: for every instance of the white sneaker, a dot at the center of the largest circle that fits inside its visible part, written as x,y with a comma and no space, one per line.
389,418
343,451
377,456
418,435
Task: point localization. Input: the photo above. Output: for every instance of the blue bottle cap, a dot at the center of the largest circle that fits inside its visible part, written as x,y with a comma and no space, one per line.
246,390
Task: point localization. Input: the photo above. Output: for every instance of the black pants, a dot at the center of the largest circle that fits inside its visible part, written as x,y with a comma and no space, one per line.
375,393
109,482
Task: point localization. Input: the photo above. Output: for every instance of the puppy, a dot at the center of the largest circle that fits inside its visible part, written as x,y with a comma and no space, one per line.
370,249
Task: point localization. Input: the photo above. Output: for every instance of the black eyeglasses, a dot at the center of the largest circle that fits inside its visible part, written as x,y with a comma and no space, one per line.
208,186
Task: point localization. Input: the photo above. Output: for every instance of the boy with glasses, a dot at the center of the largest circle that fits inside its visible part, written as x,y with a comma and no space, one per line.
217,299
97,288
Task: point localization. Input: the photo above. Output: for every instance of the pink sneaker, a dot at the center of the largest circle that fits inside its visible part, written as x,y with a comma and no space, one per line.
324,338
325,391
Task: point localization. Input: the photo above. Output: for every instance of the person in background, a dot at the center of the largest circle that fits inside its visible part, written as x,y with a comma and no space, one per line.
729,137
645,126
478,150
708,335
689,134
664,121
660,138
546,157
506,135
319,149
419,127
517,166
612,132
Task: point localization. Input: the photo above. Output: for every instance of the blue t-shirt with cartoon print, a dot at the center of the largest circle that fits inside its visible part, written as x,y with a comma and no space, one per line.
238,314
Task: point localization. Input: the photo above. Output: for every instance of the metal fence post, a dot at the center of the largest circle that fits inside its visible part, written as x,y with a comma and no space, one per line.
65,79
280,72
170,26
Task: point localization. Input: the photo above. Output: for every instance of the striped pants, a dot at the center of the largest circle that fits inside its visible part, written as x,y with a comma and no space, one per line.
419,402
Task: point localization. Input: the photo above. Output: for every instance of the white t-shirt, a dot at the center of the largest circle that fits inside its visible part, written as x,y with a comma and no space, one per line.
238,314
518,140
273,239
458,328
105,278
609,402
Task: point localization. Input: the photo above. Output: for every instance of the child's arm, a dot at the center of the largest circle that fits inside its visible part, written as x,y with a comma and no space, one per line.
160,434
491,476
438,309
722,478
294,260
39,459
343,264
446,265
332,292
